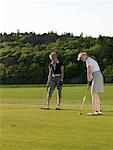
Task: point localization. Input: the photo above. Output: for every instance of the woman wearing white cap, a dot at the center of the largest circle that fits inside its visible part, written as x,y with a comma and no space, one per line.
55,78
95,80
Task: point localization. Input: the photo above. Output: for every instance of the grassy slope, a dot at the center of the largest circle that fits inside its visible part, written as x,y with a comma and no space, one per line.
27,127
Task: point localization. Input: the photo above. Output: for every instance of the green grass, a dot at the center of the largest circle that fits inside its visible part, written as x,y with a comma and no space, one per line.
36,94
24,126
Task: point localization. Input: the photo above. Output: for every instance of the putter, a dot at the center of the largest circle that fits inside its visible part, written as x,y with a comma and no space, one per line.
45,98
84,99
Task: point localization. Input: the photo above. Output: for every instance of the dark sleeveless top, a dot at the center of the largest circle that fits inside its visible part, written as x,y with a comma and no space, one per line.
56,68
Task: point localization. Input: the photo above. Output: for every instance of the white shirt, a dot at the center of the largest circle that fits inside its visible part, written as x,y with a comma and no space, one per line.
91,62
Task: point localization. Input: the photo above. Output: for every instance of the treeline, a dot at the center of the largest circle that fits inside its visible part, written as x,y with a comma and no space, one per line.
24,56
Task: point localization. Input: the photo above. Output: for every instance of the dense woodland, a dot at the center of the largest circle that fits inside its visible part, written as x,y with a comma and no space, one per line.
24,56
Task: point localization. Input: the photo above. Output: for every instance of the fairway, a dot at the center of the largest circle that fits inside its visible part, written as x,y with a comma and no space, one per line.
24,126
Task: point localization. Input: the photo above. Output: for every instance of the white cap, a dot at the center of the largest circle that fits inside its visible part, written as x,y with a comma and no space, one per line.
80,55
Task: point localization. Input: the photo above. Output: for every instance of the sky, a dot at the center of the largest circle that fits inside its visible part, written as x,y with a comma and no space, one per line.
92,17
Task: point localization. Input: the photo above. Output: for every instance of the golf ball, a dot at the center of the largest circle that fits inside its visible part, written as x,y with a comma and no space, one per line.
80,113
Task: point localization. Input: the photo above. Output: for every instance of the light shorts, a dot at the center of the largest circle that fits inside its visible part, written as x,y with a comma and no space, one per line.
97,83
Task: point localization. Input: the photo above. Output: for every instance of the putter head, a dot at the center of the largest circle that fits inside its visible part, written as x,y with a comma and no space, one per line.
41,108
45,108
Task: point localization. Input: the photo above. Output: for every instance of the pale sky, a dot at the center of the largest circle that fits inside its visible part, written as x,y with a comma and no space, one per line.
92,17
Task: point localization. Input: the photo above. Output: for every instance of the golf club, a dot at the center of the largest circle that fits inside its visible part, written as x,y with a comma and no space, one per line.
84,99
45,98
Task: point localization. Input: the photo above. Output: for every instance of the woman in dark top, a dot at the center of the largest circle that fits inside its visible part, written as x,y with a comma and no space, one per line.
55,78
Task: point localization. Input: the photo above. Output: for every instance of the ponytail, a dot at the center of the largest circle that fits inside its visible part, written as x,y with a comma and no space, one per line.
93,57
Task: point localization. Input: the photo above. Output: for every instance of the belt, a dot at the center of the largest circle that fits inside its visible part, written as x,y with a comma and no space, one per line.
56,75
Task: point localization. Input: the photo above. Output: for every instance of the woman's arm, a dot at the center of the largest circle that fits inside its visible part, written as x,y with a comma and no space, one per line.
62,72
89,73
49,76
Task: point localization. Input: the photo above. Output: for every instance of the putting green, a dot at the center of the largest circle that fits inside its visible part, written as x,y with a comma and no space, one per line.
24,126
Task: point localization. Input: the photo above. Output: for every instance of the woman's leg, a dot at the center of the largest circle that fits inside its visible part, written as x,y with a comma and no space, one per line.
51,89
48,100
98,102
59,94
95,102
